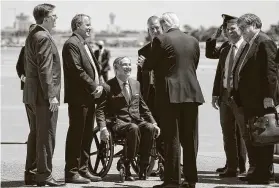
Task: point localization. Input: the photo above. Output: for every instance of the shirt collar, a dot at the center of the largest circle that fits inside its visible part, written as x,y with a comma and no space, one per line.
44,29
238,43
121,82
254,37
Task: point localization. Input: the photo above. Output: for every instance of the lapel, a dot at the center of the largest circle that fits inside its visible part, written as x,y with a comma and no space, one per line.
239,51
250,53
223,58
82,42
117,90
133,87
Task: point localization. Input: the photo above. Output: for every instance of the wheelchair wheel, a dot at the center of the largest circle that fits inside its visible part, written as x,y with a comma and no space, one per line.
101,155
155,155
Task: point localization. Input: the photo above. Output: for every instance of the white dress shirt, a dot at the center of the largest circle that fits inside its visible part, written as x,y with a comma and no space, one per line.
93,63
237,45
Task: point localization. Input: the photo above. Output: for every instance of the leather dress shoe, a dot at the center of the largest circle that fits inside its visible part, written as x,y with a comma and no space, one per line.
29,178
50,182
228,173
221,169
77,179
91,177
129,176
164,185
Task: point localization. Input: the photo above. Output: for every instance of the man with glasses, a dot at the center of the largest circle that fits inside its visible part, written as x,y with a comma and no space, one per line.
256,90
42,93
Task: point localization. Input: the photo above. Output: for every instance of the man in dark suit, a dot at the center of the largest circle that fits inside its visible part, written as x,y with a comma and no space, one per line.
256,90
175,57
21,74
103,56
146,78
42,93
230,118
123,104
82,89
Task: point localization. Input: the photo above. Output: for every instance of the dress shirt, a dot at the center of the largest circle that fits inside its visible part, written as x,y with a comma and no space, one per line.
93,63
237,45
121,84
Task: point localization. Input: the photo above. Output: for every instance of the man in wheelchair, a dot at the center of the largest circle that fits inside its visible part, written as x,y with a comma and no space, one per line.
122,103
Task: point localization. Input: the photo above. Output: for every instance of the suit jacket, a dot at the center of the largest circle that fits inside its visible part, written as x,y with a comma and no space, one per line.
42,68
79,74
105,67
213,52
258,76
175,58
143,74
20,66
218,87
113,105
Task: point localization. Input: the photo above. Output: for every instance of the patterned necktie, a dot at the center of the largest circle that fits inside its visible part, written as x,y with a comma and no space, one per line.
126,92
231,62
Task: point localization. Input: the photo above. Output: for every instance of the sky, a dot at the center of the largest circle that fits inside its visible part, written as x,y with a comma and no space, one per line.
132,15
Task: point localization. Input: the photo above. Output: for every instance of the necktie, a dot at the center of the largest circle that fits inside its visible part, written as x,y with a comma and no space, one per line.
231,61
126,92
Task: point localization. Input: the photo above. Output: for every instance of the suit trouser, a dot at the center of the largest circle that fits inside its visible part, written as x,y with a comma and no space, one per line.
151,105
79,138
138,136
234,145
179,124
45,127
30,164
262,157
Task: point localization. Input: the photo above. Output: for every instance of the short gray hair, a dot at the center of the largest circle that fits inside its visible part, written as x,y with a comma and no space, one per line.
78,20
152,19
118,60
170,19
250,19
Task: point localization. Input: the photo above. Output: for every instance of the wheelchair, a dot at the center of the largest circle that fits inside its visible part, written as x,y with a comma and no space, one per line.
102,155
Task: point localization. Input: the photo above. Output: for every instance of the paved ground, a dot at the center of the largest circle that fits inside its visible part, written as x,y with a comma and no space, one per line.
14,131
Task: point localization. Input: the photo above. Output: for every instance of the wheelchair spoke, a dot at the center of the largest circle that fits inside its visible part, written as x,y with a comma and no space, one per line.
97,163
97,142
103,162
94,153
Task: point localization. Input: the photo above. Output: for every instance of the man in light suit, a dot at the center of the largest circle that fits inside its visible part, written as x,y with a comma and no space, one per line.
256,90
103,56
230,117
175,58
83,86
42,92
123,105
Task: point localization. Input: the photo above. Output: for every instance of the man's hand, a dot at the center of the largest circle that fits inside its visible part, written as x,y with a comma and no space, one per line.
104,134
217,34
141,60
98,92
268,103
157,130
22,78
215,102
54,103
